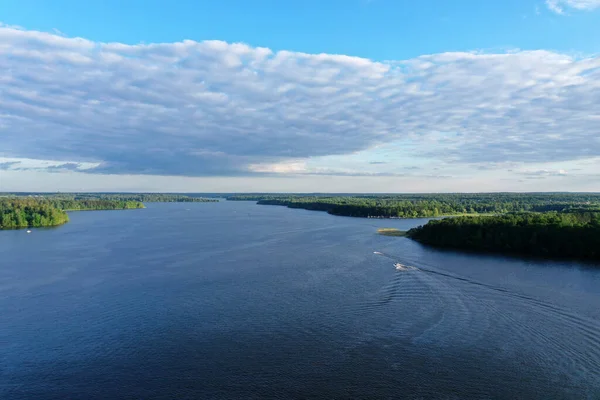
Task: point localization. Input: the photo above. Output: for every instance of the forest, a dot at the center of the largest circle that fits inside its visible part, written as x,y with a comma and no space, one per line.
431,205
24,212
550,234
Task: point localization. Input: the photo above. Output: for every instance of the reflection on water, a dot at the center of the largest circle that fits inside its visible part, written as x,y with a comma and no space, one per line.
235,300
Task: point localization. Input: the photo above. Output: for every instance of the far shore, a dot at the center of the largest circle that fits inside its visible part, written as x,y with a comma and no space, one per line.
439,216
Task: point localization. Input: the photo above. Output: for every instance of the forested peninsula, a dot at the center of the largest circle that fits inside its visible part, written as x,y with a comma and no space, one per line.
28,212
24,213
551,234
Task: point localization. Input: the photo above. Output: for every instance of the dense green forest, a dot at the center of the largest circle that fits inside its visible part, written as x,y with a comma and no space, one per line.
432,205
23,212
550,234
139,197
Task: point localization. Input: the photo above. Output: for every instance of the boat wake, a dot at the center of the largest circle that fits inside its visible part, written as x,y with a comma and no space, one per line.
449,310
398,265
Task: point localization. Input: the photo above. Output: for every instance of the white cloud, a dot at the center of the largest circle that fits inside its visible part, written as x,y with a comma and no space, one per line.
26,164
558,6
214,108
543,173
287,167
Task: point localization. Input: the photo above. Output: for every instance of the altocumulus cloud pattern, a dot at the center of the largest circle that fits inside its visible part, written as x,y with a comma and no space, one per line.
215,108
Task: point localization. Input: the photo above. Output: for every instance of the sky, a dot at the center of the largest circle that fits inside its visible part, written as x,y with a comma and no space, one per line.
300,96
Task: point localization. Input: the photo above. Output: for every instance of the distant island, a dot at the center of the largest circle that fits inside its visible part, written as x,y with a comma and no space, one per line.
550,234
33,210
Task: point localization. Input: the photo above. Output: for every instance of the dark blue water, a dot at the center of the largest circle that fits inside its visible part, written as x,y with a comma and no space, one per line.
235,300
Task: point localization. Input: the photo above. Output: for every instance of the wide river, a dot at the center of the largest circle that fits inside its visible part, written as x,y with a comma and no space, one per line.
233,300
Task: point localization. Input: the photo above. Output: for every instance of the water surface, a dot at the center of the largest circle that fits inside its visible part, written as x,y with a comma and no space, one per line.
234,300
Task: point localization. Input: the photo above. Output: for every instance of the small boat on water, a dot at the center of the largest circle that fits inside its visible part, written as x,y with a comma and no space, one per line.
28,231
401,267
377,252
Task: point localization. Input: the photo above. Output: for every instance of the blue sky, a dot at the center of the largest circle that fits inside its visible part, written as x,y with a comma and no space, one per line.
350,96
375,29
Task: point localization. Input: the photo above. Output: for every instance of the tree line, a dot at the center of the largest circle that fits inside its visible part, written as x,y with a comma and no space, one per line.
432,205
139,197
92,204
570,234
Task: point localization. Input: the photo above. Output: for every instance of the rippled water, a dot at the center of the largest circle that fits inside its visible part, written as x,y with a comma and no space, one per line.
235,300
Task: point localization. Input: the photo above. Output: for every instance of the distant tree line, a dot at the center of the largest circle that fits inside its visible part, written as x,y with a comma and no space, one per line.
432,205
92,204
570,234
147,198
139,197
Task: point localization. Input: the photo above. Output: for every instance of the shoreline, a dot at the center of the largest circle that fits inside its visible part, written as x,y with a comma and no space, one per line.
392,232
